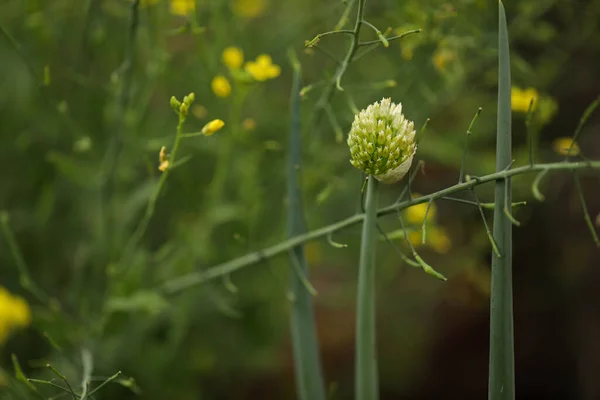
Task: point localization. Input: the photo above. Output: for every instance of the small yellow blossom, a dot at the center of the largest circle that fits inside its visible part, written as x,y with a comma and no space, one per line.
415,238
438,239
182,7
442,57
221,86
249,8
561,146
520,99
212,127
249,124
416,213
163,159
14,314
233,57
263,68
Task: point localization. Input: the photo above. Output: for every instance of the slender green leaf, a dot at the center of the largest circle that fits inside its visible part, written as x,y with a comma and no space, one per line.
502,364
307,363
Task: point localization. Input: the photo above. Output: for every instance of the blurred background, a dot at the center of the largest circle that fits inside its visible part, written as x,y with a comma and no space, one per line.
84,112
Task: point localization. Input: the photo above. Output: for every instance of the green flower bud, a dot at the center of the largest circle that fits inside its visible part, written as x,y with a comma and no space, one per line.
175,104
382,141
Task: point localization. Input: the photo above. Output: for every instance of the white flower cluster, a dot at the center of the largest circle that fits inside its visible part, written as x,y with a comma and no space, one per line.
382,141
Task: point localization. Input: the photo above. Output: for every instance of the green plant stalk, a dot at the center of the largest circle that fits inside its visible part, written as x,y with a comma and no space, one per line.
181,283
366,380
307,362
501,362
140,230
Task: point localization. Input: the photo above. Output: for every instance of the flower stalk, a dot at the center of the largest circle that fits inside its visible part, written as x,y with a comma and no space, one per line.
366,380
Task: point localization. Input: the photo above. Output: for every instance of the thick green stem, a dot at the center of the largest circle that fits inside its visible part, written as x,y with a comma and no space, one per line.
366,347
307,362
502,362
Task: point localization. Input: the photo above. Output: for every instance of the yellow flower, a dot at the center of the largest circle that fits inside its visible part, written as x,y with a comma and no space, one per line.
212,127
14,313
263,68
415,237
221,86
438,239
249,124
442,57
163,159
416,213
182,7
233,57
249,8
561,146
520,99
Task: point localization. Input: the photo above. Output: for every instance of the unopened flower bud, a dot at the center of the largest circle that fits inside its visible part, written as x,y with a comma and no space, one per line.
382,141
212,127
175,104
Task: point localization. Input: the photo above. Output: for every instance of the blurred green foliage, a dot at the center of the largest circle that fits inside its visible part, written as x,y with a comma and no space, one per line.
84,111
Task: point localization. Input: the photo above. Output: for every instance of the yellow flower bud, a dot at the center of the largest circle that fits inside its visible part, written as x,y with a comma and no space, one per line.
163,159
233,57
212,127
182,7
561,146
220,86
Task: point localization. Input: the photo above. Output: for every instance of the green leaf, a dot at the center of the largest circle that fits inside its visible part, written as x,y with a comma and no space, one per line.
307,362
502,363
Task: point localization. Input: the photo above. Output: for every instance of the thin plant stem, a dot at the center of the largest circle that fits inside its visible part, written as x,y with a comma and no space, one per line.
345,16
528,120
535,186
184,282
586,115
335,81
107,381
586,213
366,375
485,224
424,226
428,269
402,35
64,379
142,226
464,155
501,357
